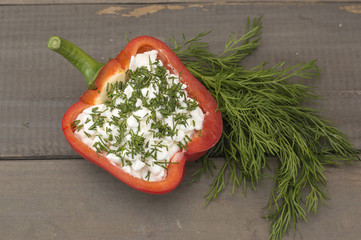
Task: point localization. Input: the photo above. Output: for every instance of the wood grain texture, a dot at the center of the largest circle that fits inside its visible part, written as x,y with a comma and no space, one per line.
55,195
57,2
38,85
73,199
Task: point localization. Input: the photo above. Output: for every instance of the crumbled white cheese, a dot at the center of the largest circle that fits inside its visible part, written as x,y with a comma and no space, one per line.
132,122
143,59
142,139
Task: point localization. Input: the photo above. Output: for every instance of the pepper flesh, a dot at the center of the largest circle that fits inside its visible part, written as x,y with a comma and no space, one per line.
115,70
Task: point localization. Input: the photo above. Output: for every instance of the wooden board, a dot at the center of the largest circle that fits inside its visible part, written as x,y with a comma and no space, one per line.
73,199
221,2
48,192
38,85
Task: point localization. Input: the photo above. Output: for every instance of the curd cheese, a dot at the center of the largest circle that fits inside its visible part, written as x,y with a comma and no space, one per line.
144,121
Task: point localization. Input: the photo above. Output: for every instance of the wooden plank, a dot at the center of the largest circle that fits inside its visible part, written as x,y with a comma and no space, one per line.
48,2
38,85
73,199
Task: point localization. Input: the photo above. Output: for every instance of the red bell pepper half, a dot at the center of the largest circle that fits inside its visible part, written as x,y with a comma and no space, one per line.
98,75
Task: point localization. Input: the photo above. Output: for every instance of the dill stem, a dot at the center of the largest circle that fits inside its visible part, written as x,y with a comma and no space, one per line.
264,117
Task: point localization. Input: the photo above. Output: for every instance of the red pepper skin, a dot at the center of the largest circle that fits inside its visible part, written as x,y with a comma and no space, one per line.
211,130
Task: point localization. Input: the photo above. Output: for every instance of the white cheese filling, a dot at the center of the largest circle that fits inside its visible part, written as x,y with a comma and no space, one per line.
143,122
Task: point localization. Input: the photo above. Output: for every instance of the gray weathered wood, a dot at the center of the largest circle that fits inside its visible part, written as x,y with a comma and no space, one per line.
32,2
38,85
73,199
52,195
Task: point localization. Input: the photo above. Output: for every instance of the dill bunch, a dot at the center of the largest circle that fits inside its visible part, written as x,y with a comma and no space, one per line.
264,119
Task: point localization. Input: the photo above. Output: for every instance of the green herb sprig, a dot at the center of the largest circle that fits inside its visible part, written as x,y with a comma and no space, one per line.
264,118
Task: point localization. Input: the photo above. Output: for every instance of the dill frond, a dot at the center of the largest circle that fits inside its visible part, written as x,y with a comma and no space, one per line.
264,117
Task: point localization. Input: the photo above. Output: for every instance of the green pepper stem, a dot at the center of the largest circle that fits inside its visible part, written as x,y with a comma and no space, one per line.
77,57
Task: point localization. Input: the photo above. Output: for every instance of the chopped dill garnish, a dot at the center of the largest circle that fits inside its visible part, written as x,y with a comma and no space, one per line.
139,116
147,176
